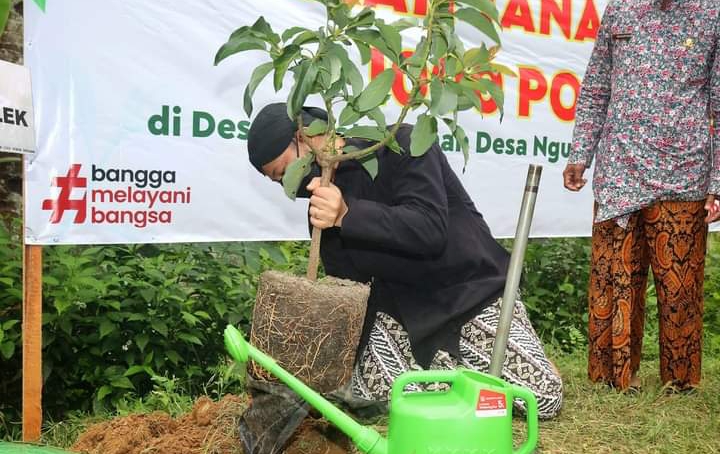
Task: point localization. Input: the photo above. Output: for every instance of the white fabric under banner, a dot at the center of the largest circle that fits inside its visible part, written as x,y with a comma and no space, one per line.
141,139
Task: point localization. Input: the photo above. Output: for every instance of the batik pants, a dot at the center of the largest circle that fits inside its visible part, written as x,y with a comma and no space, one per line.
670,237
388,354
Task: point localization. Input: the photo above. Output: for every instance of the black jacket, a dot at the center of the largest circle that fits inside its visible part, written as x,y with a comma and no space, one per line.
415,234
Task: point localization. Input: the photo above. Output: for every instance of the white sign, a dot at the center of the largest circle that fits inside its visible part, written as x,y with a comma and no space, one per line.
141,139
16,112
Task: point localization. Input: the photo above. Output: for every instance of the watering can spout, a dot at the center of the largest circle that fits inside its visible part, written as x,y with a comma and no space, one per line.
365,438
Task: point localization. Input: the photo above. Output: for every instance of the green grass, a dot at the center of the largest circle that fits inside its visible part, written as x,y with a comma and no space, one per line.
594,418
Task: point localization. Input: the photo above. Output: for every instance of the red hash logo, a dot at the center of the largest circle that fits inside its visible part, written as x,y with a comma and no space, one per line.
63,202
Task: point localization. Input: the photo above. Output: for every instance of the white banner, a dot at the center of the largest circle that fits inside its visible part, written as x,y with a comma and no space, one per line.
141,139
16,110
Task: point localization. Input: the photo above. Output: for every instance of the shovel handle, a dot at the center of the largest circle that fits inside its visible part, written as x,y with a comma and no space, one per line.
531,416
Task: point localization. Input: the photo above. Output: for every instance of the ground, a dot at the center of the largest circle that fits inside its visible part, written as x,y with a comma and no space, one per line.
594,420
210,428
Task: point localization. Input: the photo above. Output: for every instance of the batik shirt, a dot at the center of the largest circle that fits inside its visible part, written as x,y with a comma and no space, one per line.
651,86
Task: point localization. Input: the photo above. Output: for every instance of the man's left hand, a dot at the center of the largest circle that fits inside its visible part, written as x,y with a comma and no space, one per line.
712,206
327,206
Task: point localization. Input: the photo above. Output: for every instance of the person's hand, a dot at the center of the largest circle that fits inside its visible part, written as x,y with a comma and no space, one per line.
712,206
327,206
572,177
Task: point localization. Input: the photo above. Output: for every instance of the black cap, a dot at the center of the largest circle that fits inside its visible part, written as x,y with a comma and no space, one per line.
272,131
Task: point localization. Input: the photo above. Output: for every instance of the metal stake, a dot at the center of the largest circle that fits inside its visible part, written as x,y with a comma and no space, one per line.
515,269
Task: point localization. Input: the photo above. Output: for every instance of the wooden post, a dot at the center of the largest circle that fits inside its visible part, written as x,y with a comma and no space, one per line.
31,338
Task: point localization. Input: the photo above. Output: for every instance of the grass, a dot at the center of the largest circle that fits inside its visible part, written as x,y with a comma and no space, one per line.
594,419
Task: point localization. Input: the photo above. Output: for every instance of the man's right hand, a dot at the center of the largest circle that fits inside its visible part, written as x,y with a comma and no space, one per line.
573,177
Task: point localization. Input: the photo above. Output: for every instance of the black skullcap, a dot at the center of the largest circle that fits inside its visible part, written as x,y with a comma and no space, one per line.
272,131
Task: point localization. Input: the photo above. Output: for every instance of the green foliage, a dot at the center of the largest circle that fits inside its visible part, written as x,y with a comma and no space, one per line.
320,64
554,289
117,319
4,14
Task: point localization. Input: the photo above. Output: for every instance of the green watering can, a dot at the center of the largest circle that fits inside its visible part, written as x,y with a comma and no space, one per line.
474,416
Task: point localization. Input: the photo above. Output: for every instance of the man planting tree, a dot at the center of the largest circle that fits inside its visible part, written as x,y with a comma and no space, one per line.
437,273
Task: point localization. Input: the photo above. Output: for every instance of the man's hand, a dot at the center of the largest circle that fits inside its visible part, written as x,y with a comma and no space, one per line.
327,206
712,206
572,177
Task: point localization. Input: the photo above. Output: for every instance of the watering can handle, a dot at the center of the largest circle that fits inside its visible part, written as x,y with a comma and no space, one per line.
420,376
532,419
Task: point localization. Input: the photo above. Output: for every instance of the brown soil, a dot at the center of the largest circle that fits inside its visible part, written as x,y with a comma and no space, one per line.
311,329
211,428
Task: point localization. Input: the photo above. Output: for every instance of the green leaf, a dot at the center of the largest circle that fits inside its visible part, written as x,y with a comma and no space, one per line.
486,86
9,324
459,134
292,31
189,338
49,280
479,21
257,76
484,6
239,44
134,370
349,115
476,56
364,50
105,390
261,26
423,135
294,174
189,318
349,70
391,36
404,24
7,349
370,163
443,99
122,383
416,62
378,117
366,132
141,340
340,15
364,18
376,91
147,294
316,128
375,39
439,47
306,37
304,81
467,98
106,327
160,327
281,64
502,69
173,356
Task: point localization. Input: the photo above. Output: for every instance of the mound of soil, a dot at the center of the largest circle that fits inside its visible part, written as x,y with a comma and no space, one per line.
210,428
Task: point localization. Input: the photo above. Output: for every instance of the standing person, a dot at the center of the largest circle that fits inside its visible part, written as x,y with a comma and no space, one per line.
436,272
651,88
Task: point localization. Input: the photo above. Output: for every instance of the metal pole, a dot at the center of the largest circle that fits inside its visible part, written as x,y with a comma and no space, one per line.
515,269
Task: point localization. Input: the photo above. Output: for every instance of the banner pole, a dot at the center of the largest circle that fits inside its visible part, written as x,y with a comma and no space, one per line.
31,336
